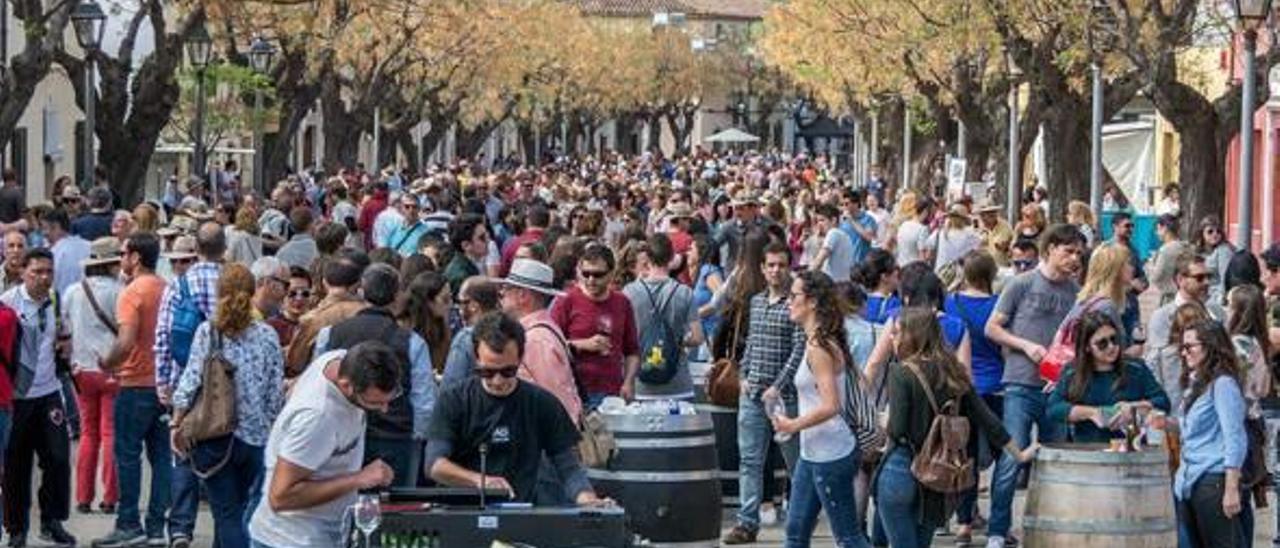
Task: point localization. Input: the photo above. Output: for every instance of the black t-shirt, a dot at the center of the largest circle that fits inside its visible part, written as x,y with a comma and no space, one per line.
518,428
12,201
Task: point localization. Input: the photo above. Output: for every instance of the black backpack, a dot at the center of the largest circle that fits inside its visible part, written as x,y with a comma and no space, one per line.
661,350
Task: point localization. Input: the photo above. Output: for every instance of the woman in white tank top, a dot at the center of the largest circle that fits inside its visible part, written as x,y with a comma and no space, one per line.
823,479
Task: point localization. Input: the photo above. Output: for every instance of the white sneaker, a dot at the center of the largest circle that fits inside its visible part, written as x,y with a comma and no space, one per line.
768,517
995,542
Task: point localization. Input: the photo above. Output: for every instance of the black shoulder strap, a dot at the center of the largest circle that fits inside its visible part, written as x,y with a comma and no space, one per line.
97,308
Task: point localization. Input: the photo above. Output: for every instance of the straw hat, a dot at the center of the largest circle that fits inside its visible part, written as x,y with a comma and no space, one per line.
532,275
105,250
183,248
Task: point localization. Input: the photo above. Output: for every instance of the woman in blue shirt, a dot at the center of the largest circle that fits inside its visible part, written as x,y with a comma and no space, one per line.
973,305
1206,487
878,274
1096,392
703,260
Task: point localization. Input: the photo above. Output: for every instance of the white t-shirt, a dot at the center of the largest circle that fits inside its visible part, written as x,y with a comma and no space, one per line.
319,430
913,239
840,254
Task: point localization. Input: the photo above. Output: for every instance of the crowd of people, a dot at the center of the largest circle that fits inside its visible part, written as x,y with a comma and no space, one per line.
388,330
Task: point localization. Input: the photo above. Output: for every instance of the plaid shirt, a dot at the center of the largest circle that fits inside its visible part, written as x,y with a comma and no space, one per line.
202,278
775,346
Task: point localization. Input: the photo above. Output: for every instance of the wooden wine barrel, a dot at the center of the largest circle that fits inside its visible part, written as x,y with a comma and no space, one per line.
666,475
1083,497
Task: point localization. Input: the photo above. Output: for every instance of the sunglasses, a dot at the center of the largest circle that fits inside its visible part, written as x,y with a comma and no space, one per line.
596,274
489,373
1104,344
1186,347
300,294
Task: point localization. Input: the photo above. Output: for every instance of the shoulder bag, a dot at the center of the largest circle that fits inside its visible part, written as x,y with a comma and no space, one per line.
723,380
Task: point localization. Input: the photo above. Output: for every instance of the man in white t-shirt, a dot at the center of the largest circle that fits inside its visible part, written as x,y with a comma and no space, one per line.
913,242
836,256
316,446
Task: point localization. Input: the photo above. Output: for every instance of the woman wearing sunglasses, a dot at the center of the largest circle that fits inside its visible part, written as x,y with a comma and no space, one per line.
1096,393
1217,252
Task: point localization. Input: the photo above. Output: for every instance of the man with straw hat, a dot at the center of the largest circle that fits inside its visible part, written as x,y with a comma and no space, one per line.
89,309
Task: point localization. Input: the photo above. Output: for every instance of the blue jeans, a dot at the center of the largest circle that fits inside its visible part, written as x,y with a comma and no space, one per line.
1024,407
593,400
231,488
819,486
139,423
755,432
897,503
186,499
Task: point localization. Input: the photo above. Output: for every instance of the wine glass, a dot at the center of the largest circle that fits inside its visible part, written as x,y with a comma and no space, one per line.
368,513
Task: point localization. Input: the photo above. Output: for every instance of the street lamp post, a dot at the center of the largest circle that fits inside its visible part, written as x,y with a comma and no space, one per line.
261,53
88,20
1099,42
1251,14
1014,183
199,53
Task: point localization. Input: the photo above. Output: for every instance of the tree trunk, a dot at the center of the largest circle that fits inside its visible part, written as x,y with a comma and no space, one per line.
1066,148
471,141
296,95
341,132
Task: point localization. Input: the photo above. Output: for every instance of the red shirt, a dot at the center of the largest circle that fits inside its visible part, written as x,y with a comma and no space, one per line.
513,245
580,317
368,213
681,243
8,354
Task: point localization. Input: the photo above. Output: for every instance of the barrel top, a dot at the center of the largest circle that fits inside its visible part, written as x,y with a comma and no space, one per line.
1093,453
659,423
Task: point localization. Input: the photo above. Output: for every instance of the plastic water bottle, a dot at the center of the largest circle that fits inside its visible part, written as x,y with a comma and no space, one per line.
775,408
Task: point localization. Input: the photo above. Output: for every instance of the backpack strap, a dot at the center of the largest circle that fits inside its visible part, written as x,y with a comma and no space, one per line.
928,392
657,310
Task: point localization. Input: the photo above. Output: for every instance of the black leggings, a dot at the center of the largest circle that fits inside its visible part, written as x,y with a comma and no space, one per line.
1202,517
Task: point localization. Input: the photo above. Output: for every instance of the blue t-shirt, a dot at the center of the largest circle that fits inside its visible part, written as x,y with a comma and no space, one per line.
703,294
880,309
988,363
860,246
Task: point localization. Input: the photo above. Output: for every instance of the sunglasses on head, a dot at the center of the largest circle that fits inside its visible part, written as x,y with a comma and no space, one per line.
489,373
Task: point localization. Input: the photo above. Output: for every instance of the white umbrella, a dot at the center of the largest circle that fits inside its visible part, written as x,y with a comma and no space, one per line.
732,135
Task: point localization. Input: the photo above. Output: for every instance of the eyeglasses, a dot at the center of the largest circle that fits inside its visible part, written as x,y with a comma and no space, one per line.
593,274
1211,230
1104,344
491,372
1023,264
300,294
1186,347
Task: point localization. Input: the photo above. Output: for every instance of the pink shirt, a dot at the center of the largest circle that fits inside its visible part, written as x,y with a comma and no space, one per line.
546,361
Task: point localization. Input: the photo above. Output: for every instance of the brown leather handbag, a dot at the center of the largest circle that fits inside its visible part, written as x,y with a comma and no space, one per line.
723,382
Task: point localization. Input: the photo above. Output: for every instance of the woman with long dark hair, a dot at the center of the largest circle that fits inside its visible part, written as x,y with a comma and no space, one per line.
1212,244
733,300
1096,392
1247,324
824,476
424,308
911,512
253,349
1206,486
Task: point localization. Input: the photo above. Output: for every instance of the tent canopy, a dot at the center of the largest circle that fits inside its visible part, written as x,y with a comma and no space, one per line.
732,135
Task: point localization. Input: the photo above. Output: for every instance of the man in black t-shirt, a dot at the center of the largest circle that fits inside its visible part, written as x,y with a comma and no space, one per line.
507,422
